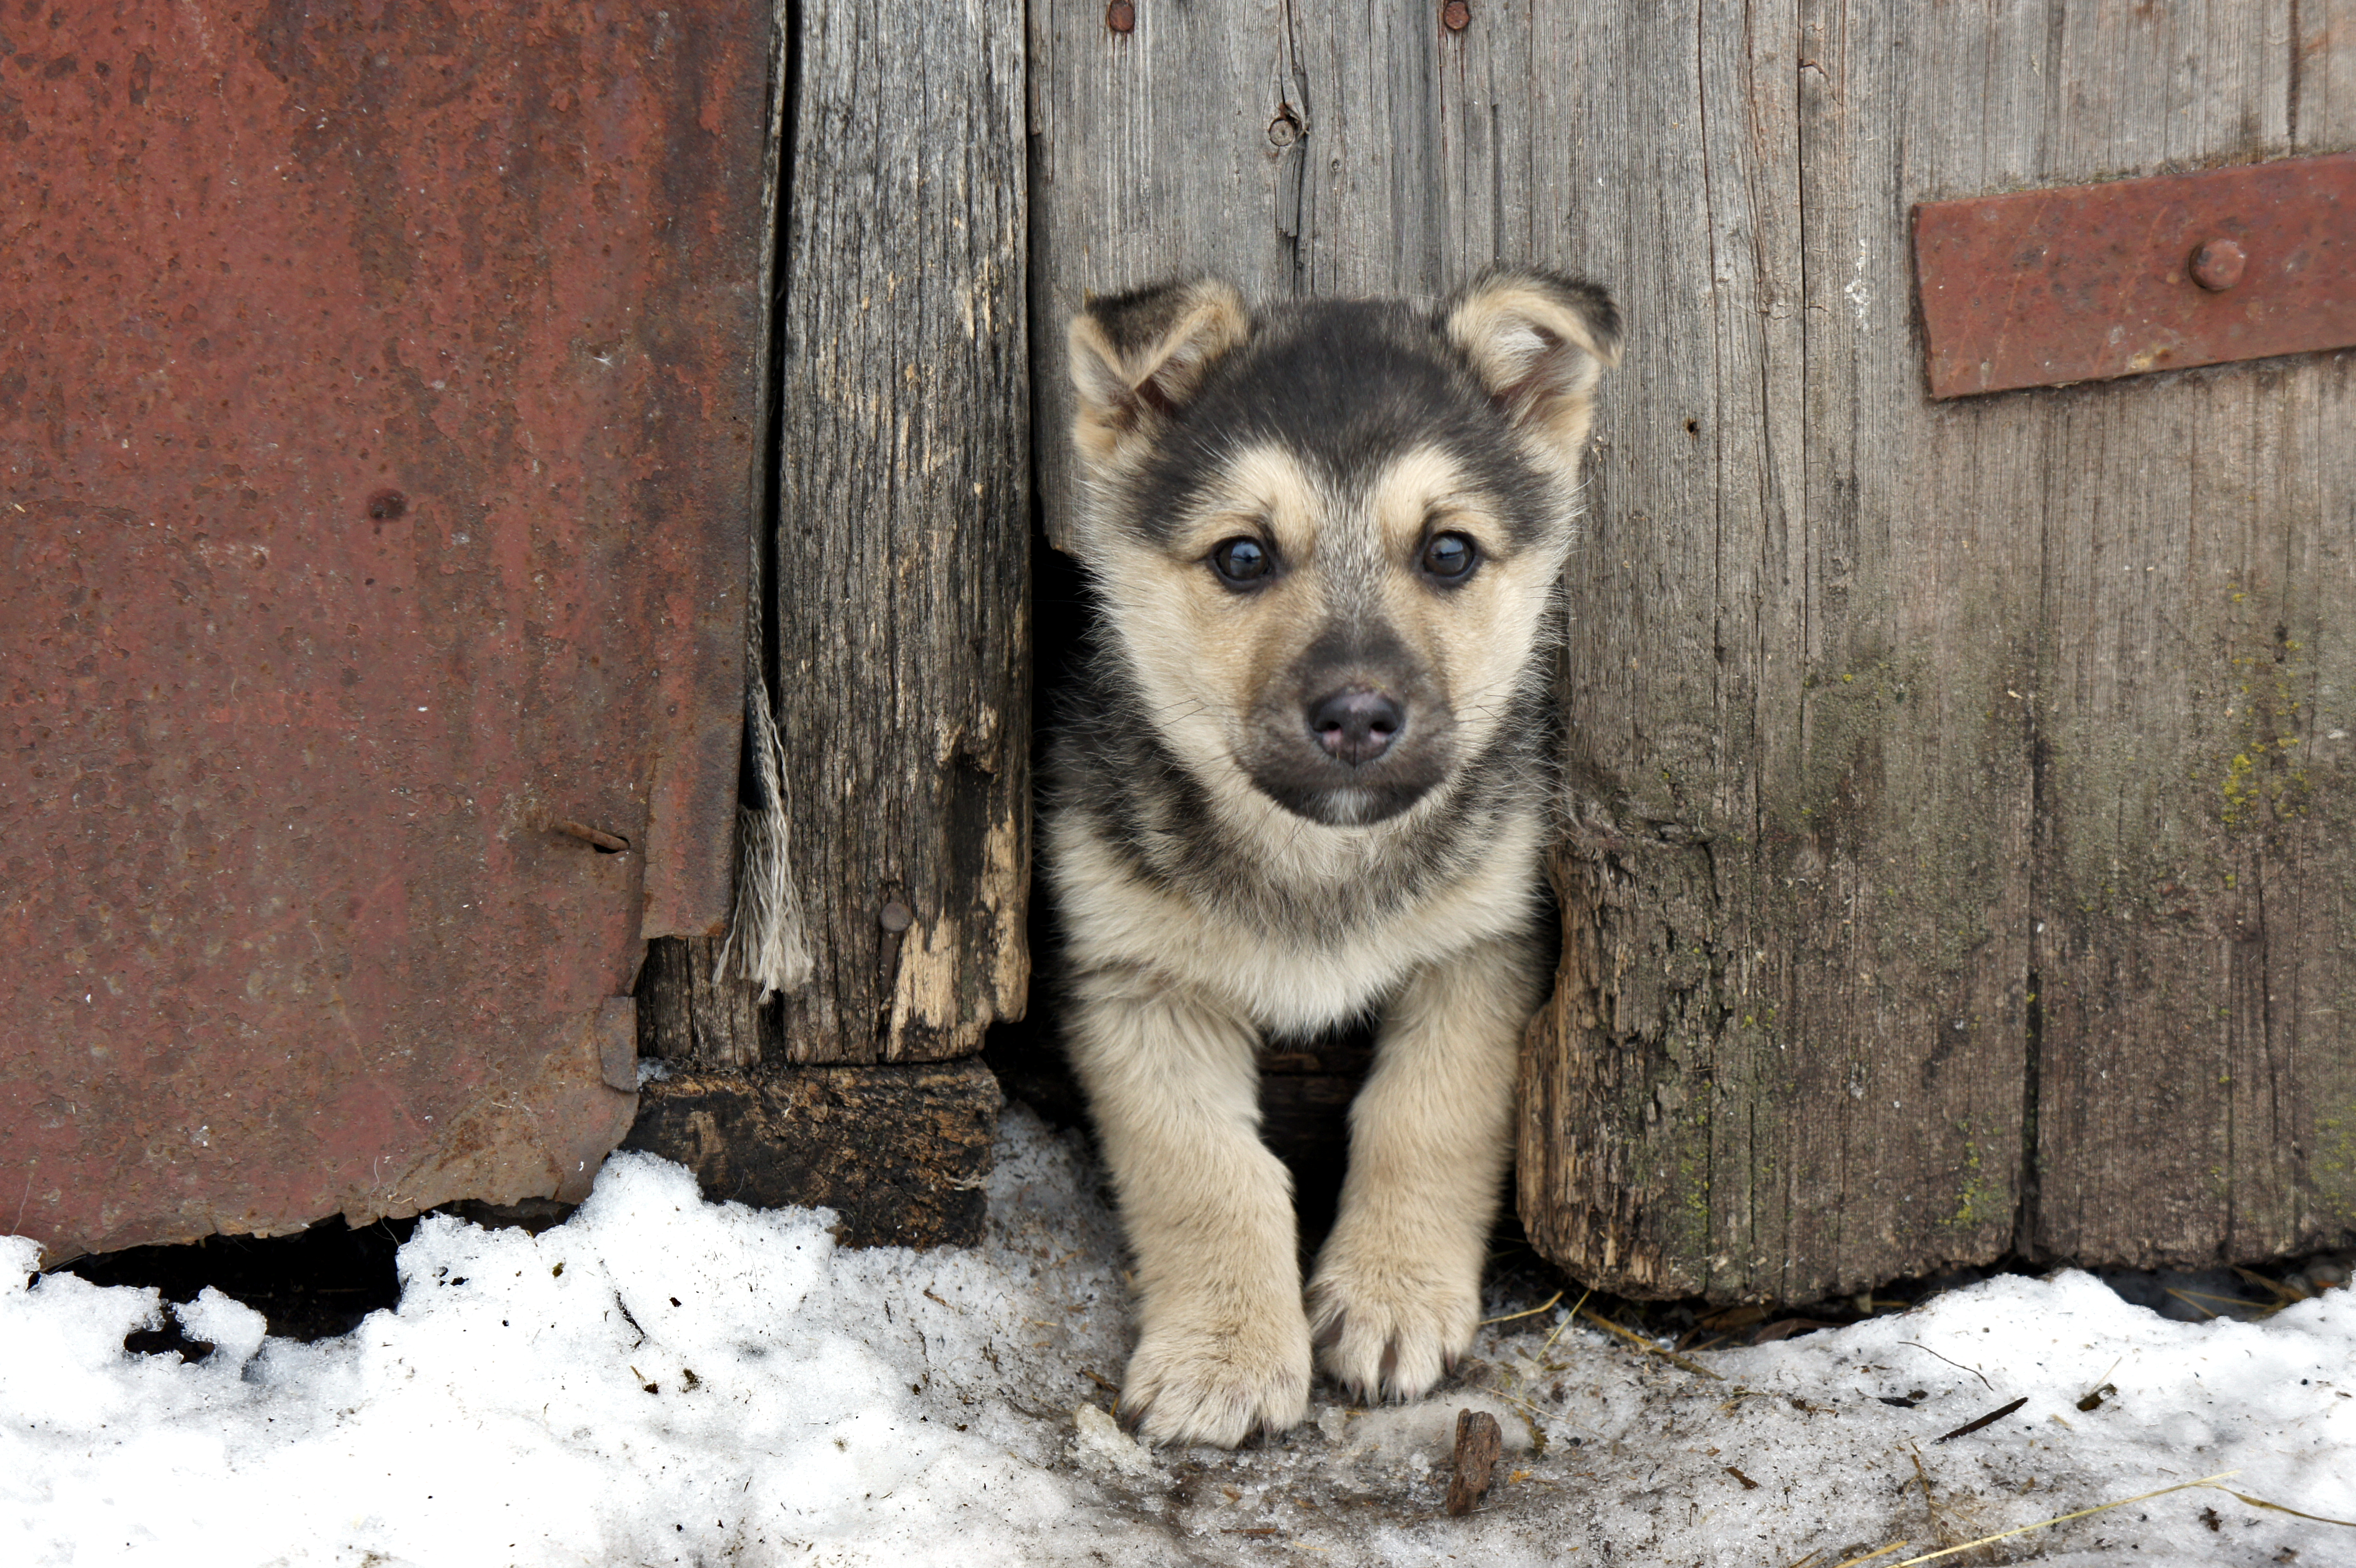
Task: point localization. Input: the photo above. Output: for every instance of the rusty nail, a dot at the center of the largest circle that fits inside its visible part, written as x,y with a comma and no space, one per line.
1456,15
611,844
895,917
1121,17
2217,265
387,504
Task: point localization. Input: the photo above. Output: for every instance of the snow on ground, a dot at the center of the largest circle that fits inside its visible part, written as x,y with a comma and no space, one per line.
663,1380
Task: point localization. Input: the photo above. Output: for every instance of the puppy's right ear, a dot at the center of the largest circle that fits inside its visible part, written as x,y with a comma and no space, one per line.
1137,358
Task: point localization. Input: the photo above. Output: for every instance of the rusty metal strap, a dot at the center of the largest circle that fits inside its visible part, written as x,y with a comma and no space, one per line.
2091,282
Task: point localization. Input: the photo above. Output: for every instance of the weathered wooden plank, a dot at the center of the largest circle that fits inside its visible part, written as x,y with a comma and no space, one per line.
2197,1076
2017,702
690,1019
900,1152
1753,1080
901,574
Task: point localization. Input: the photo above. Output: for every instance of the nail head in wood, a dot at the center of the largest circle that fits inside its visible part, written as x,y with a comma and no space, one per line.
1456,15
895,917
1478,1443
1122,17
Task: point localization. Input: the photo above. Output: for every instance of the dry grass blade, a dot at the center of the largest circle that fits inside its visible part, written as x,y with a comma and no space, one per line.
1952,1362
1641,1343
2284,1294
1566,1321
2092,1398
2261,1503
2063,1518
1531,1312
1884,1552
2208,1481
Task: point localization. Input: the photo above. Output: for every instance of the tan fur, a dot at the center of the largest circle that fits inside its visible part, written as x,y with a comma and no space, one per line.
1118,390
1541,358
1174,992
1208,658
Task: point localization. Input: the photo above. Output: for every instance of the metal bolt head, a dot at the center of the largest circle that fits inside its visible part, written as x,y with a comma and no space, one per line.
1122,17
1456,15
2218,264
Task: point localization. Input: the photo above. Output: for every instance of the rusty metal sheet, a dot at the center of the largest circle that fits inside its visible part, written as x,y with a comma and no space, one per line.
378,434
2045,287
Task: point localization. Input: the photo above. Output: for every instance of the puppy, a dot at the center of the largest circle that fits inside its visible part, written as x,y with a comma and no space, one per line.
1307,778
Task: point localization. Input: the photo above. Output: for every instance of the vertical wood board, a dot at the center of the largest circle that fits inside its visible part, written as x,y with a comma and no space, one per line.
901,569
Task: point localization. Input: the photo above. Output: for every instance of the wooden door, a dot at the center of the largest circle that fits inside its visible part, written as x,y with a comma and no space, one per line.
1957,854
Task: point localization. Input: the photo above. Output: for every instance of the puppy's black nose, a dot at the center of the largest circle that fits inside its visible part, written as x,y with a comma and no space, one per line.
1356,726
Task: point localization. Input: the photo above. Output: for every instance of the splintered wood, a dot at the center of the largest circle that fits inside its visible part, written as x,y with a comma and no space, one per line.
1478,1442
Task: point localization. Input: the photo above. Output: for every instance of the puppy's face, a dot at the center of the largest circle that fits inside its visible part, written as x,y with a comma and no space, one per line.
1327,539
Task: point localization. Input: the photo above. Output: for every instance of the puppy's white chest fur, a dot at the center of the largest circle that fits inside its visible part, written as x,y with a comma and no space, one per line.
1291,957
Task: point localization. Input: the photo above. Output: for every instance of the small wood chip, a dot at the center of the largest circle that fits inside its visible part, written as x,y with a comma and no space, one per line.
1747,1484
1478,1442
1995,1415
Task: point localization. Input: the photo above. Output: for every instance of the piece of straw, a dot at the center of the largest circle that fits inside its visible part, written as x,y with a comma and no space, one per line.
1641,1343
1532,1311
2208,1481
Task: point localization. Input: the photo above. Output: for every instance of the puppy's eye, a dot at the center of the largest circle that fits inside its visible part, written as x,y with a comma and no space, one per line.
1240,562
1450,557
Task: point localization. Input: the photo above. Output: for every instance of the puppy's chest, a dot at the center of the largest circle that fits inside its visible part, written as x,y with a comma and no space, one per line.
1297,961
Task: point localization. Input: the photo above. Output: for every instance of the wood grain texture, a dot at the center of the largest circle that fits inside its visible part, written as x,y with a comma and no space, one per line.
689,1018
1861,693
2196,951
902,568
901,1152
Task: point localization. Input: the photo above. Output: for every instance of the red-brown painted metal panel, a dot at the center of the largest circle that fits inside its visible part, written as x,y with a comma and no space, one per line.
378,440
2046,287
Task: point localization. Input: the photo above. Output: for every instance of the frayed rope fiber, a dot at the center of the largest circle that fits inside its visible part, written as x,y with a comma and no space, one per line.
768,941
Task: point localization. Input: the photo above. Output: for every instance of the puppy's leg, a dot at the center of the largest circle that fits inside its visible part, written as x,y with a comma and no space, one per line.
1398,1290
1223,1347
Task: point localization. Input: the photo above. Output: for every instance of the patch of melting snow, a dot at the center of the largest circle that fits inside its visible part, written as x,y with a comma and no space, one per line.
664,1380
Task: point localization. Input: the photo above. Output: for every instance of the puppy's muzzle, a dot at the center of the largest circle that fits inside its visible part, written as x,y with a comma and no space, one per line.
1356,723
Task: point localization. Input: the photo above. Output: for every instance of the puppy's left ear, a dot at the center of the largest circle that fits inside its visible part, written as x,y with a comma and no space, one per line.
1539,343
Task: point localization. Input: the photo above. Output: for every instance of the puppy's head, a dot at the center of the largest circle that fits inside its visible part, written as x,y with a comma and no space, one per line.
1327,534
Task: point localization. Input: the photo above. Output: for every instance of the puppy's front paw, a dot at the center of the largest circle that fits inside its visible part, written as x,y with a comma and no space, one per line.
1199,1382
1390,1331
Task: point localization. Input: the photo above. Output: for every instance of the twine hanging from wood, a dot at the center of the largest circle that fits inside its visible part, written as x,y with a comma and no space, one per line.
768,941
